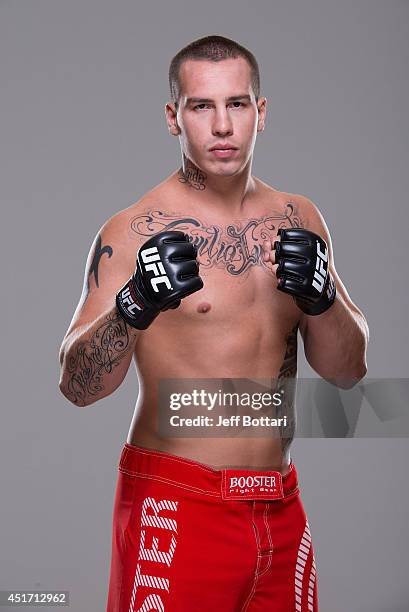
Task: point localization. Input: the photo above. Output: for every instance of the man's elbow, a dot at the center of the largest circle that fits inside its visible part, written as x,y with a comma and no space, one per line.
349,380
80,397
358,367
74,396
360,374
75,399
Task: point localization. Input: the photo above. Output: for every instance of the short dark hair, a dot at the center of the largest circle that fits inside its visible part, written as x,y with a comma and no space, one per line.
215,49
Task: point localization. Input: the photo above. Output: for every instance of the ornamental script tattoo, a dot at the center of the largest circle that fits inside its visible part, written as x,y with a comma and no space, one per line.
96,357
194,177
235,247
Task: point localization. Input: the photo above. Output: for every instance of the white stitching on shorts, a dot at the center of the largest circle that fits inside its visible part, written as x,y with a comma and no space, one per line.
167,481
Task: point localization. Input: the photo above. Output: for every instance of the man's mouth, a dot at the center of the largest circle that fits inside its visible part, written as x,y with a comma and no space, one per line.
223,151
223,147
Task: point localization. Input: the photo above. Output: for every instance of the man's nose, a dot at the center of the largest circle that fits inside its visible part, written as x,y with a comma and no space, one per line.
222,123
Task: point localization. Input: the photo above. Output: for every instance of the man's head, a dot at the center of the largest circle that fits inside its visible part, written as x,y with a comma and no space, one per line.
215,91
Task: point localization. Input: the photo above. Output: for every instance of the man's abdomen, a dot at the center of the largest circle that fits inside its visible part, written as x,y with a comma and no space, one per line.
249,348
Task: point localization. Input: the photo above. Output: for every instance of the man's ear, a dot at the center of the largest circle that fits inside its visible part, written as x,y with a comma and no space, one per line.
262,108
171,119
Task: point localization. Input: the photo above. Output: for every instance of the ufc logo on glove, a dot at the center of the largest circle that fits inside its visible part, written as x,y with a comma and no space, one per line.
152,261
320,273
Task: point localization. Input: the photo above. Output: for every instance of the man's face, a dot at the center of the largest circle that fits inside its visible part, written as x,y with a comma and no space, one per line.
217,107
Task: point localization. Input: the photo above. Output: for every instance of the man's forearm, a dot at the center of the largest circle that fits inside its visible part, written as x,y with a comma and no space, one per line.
95,358
335,343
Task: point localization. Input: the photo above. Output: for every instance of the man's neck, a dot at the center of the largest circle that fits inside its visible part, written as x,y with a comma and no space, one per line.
220,193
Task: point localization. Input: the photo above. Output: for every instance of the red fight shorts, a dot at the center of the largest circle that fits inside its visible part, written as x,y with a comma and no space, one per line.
190,538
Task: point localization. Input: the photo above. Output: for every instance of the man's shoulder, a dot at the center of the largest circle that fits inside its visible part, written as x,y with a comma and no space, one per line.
123,221
302,207
307,214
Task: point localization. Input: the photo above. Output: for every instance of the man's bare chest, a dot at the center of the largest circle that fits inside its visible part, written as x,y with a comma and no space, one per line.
232,246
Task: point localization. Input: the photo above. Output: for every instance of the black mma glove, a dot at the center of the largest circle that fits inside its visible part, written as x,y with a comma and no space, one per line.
302,259
166,271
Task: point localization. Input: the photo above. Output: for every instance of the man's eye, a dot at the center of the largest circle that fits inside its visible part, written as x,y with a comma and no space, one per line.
200,106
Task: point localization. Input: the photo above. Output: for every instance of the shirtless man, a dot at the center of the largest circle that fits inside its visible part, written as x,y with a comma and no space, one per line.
210,522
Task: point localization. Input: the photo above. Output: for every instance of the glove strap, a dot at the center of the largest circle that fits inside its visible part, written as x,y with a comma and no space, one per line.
134,307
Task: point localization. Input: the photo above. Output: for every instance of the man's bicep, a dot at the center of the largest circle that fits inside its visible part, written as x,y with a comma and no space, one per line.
110,263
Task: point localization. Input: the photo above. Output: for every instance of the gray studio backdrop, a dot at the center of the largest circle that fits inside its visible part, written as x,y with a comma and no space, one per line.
83,87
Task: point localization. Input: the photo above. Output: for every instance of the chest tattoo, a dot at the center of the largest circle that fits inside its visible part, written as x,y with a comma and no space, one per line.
235,247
